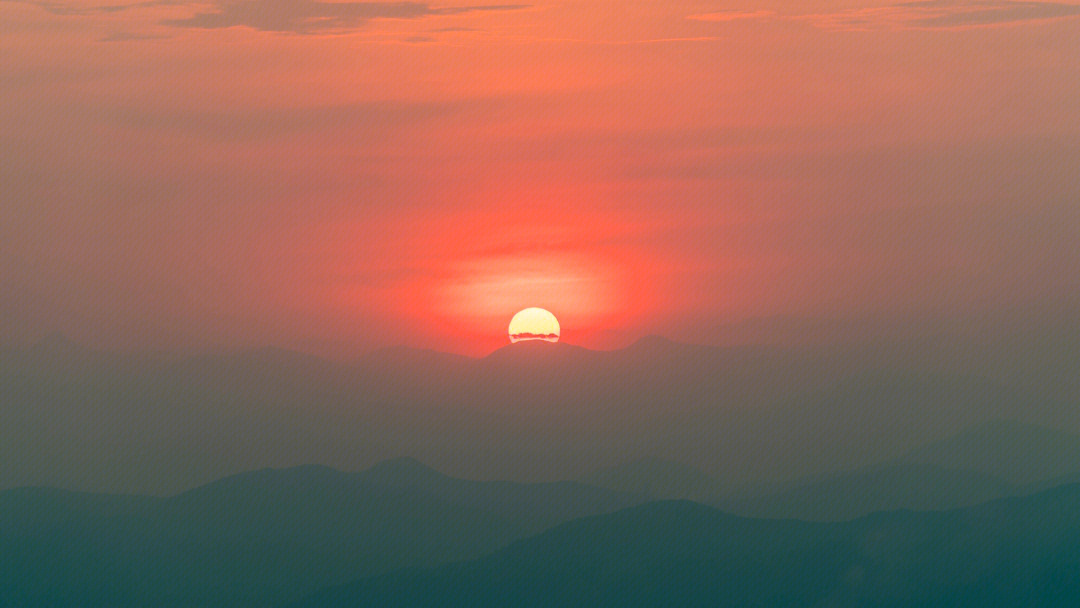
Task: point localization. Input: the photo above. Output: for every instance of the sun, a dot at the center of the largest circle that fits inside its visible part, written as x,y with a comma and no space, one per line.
534,324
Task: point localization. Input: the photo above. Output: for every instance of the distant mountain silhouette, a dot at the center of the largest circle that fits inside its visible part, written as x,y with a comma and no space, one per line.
917,487
1047,484
654,342
539,352
657,479
1013,552
264,537
999,458
531,506
397,359
1020,453
533,410
406,472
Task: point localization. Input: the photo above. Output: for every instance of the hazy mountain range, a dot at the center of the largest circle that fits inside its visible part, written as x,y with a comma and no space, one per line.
162,423
265,537
988,461
852,476
1015,552
273,536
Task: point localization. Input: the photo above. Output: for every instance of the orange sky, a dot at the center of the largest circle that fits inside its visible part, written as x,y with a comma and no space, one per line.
336,176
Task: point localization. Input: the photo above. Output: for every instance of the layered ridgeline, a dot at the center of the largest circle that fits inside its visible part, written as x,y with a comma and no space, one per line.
1012,552
988,461
158,423
276,535
266,537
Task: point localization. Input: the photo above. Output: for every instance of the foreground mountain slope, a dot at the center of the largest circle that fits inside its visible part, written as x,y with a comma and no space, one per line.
1012,552
264,537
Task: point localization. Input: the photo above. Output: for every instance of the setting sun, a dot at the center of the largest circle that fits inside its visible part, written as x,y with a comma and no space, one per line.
534,324
257,259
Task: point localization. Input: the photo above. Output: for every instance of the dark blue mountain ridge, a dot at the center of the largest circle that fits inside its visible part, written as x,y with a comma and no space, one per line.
1010,552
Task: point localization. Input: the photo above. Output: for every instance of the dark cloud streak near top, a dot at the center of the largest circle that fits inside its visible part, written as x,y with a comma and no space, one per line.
67,9
927,15
993,13
313,16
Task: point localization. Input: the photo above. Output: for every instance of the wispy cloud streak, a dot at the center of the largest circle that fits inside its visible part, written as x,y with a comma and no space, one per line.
314,16
733,15
926,15
943,15
92,8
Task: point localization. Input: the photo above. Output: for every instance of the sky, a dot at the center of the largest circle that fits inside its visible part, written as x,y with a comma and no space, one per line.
339,176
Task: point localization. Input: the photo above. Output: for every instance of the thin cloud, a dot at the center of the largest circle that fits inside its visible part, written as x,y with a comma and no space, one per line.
734,15
90,8
943,15
375,119
128,36
314,16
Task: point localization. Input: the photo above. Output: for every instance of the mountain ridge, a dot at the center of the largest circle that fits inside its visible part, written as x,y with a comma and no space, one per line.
1018,551
266,536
